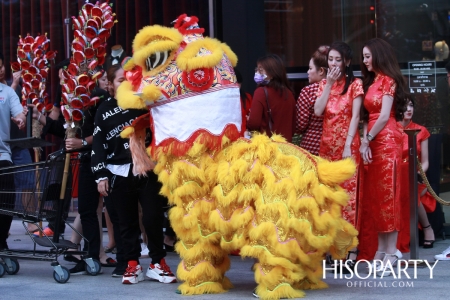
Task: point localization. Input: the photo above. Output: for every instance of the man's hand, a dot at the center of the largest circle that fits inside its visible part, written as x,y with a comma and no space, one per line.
16,76
73,143
35,112
16,79
19,122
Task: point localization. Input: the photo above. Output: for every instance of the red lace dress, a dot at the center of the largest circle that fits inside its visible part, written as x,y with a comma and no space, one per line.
381,201
336,123
427,200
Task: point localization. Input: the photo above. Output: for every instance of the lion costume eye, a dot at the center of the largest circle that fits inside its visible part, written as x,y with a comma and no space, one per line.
154,48
156,59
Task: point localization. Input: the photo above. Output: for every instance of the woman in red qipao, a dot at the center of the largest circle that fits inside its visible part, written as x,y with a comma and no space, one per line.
427,204
385,101
339,100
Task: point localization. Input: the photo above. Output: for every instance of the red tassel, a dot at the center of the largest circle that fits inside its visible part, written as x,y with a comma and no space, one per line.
141,162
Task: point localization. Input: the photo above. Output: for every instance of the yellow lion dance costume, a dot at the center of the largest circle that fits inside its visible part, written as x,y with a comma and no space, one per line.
269,198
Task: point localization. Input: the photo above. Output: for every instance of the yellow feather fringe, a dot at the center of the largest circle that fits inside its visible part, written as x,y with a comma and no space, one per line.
153,33
126,97
265,196
127,132
189,59
230,54
151,93
204,288
282,291
327,170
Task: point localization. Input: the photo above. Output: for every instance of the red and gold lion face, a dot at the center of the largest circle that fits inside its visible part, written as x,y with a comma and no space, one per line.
170,62
186,81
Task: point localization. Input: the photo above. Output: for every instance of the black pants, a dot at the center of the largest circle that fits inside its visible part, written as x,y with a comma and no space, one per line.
125,192
169,229
7,202
114,217
88,198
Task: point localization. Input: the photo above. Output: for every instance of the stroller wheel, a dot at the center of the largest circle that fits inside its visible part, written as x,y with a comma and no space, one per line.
95,269
64,278
11,265
2,269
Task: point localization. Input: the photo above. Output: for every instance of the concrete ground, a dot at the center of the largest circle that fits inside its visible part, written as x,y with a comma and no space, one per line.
35,280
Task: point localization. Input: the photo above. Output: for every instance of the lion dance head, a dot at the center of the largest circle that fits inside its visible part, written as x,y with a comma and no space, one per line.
179,72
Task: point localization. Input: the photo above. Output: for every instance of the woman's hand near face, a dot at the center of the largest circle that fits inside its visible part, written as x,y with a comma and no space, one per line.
333,74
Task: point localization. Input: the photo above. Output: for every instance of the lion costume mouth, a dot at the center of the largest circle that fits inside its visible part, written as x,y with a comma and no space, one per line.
157,59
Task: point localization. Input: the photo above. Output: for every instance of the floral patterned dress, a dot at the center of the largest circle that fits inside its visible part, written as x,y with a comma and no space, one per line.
336,123
383,178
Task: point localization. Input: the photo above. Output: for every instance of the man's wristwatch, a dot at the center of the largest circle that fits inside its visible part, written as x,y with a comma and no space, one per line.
369,137
84,142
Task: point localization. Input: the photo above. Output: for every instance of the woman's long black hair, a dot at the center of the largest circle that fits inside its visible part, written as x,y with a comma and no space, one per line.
347,54
384,61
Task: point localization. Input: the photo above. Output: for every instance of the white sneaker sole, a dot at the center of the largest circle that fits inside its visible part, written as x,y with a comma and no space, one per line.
163,279
439,257
133,279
